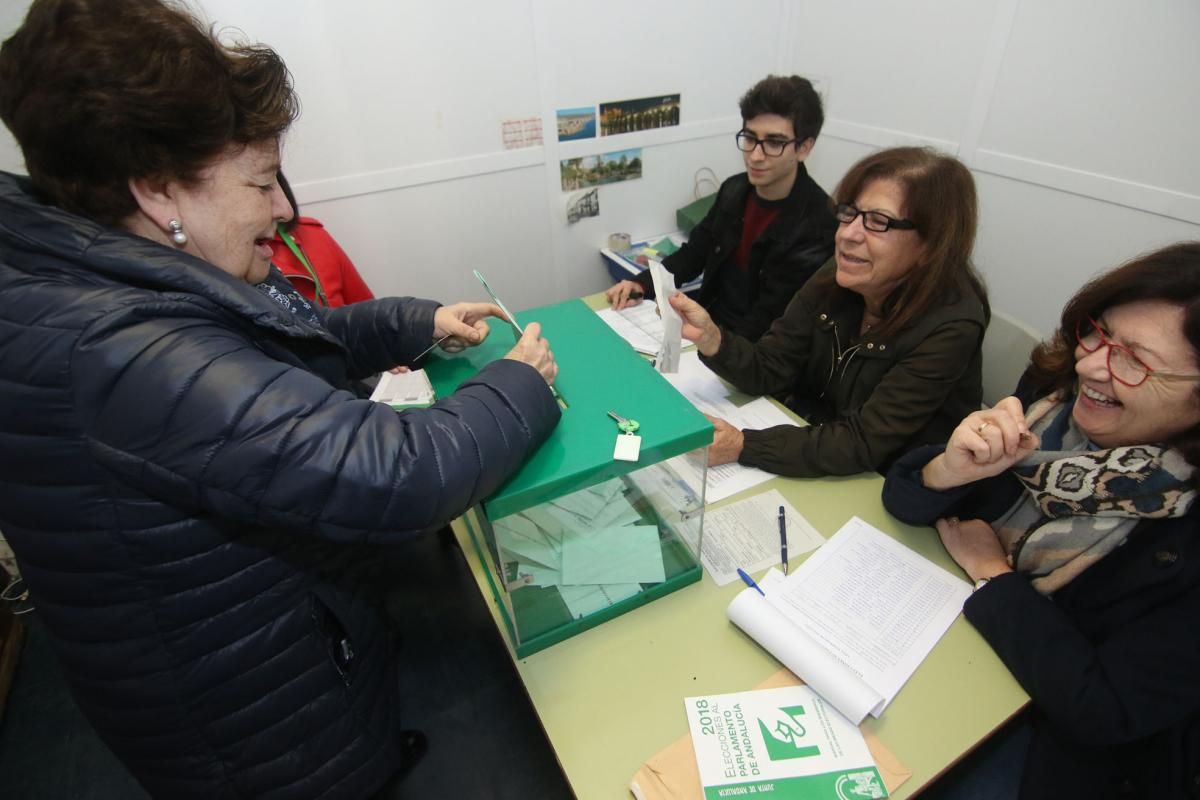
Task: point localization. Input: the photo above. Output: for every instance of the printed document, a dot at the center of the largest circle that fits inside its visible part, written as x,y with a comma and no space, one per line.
404,389
746,534
785,743
856,619
726,480
639,325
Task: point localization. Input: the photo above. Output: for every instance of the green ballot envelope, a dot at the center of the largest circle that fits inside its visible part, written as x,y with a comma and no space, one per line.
576,536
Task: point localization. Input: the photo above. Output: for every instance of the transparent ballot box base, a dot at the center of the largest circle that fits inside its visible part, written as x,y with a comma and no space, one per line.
568,564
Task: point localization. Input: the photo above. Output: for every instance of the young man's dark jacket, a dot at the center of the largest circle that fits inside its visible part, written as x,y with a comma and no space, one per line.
787,254
1111,661
185,480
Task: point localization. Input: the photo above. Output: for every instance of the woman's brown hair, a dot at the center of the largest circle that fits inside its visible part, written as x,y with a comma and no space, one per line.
1170,275
939,198
100,91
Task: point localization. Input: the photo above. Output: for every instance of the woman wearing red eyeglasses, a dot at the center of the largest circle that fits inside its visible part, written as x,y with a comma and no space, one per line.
1072,506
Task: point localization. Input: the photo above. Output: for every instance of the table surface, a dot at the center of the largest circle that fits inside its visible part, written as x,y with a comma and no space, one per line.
612,696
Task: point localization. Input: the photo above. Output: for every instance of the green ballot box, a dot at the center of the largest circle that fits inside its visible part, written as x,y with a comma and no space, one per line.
577,537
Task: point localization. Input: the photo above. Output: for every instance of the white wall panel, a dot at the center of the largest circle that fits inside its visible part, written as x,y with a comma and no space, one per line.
908,66
426,240
1037,246
386,85
1103,86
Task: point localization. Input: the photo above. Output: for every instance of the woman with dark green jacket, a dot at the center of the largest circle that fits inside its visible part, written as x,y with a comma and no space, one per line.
880,351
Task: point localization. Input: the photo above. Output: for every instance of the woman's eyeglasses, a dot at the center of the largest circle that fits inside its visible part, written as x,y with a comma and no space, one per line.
872,220
1123,365
747,141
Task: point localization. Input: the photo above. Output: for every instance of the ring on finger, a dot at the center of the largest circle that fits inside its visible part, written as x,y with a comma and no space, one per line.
983,427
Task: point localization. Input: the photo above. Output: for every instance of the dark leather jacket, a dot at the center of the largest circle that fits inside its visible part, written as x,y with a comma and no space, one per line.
869,398
186,481
787,254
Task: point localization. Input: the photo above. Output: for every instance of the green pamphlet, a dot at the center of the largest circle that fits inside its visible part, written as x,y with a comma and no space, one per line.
784,743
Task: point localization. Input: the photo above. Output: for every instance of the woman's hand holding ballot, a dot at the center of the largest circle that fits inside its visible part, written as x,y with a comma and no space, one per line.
698,326
984,444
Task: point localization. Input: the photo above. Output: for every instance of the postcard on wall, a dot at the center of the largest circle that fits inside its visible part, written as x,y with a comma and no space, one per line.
786,743
584,204
581,173
642,114
576,123
520,133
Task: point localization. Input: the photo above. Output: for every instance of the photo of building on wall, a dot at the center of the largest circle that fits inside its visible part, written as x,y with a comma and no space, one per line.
576,123
580,173
584,204
647,113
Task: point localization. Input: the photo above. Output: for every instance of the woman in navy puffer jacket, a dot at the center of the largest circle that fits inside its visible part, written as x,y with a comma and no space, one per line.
186,480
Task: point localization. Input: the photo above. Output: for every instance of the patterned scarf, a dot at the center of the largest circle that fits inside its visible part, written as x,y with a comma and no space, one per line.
1081,503
281,291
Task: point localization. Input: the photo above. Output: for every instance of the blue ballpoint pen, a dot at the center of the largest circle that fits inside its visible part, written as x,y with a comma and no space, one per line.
750,582
783,539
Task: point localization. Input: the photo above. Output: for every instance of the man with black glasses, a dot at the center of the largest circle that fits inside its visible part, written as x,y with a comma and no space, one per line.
769,228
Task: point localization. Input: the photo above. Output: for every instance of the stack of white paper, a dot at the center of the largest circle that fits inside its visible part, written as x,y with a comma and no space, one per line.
404,389
856,620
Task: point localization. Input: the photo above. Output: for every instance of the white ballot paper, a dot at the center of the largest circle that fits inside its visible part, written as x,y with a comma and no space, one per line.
856,619
667,360
404,389
746,534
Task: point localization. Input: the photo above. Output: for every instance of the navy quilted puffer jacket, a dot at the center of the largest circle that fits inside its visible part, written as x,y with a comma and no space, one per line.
185,479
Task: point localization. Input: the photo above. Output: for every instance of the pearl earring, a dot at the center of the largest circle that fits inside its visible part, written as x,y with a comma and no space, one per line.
177,234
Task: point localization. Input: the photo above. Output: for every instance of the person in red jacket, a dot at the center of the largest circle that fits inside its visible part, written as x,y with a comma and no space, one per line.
312,260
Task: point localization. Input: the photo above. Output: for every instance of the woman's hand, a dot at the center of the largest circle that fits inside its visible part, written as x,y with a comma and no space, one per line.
727,444
624,294
698,326
984,444
533,350
974,547
464,323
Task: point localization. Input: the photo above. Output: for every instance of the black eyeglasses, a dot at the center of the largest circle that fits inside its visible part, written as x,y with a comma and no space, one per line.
747,141
1123,365
872,220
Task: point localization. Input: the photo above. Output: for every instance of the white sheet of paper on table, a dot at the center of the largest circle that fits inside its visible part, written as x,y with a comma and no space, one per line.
701,386
638,324
746,534
876,608
726,480
628,554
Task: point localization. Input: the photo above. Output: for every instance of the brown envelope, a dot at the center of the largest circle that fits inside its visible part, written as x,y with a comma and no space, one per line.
672,774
